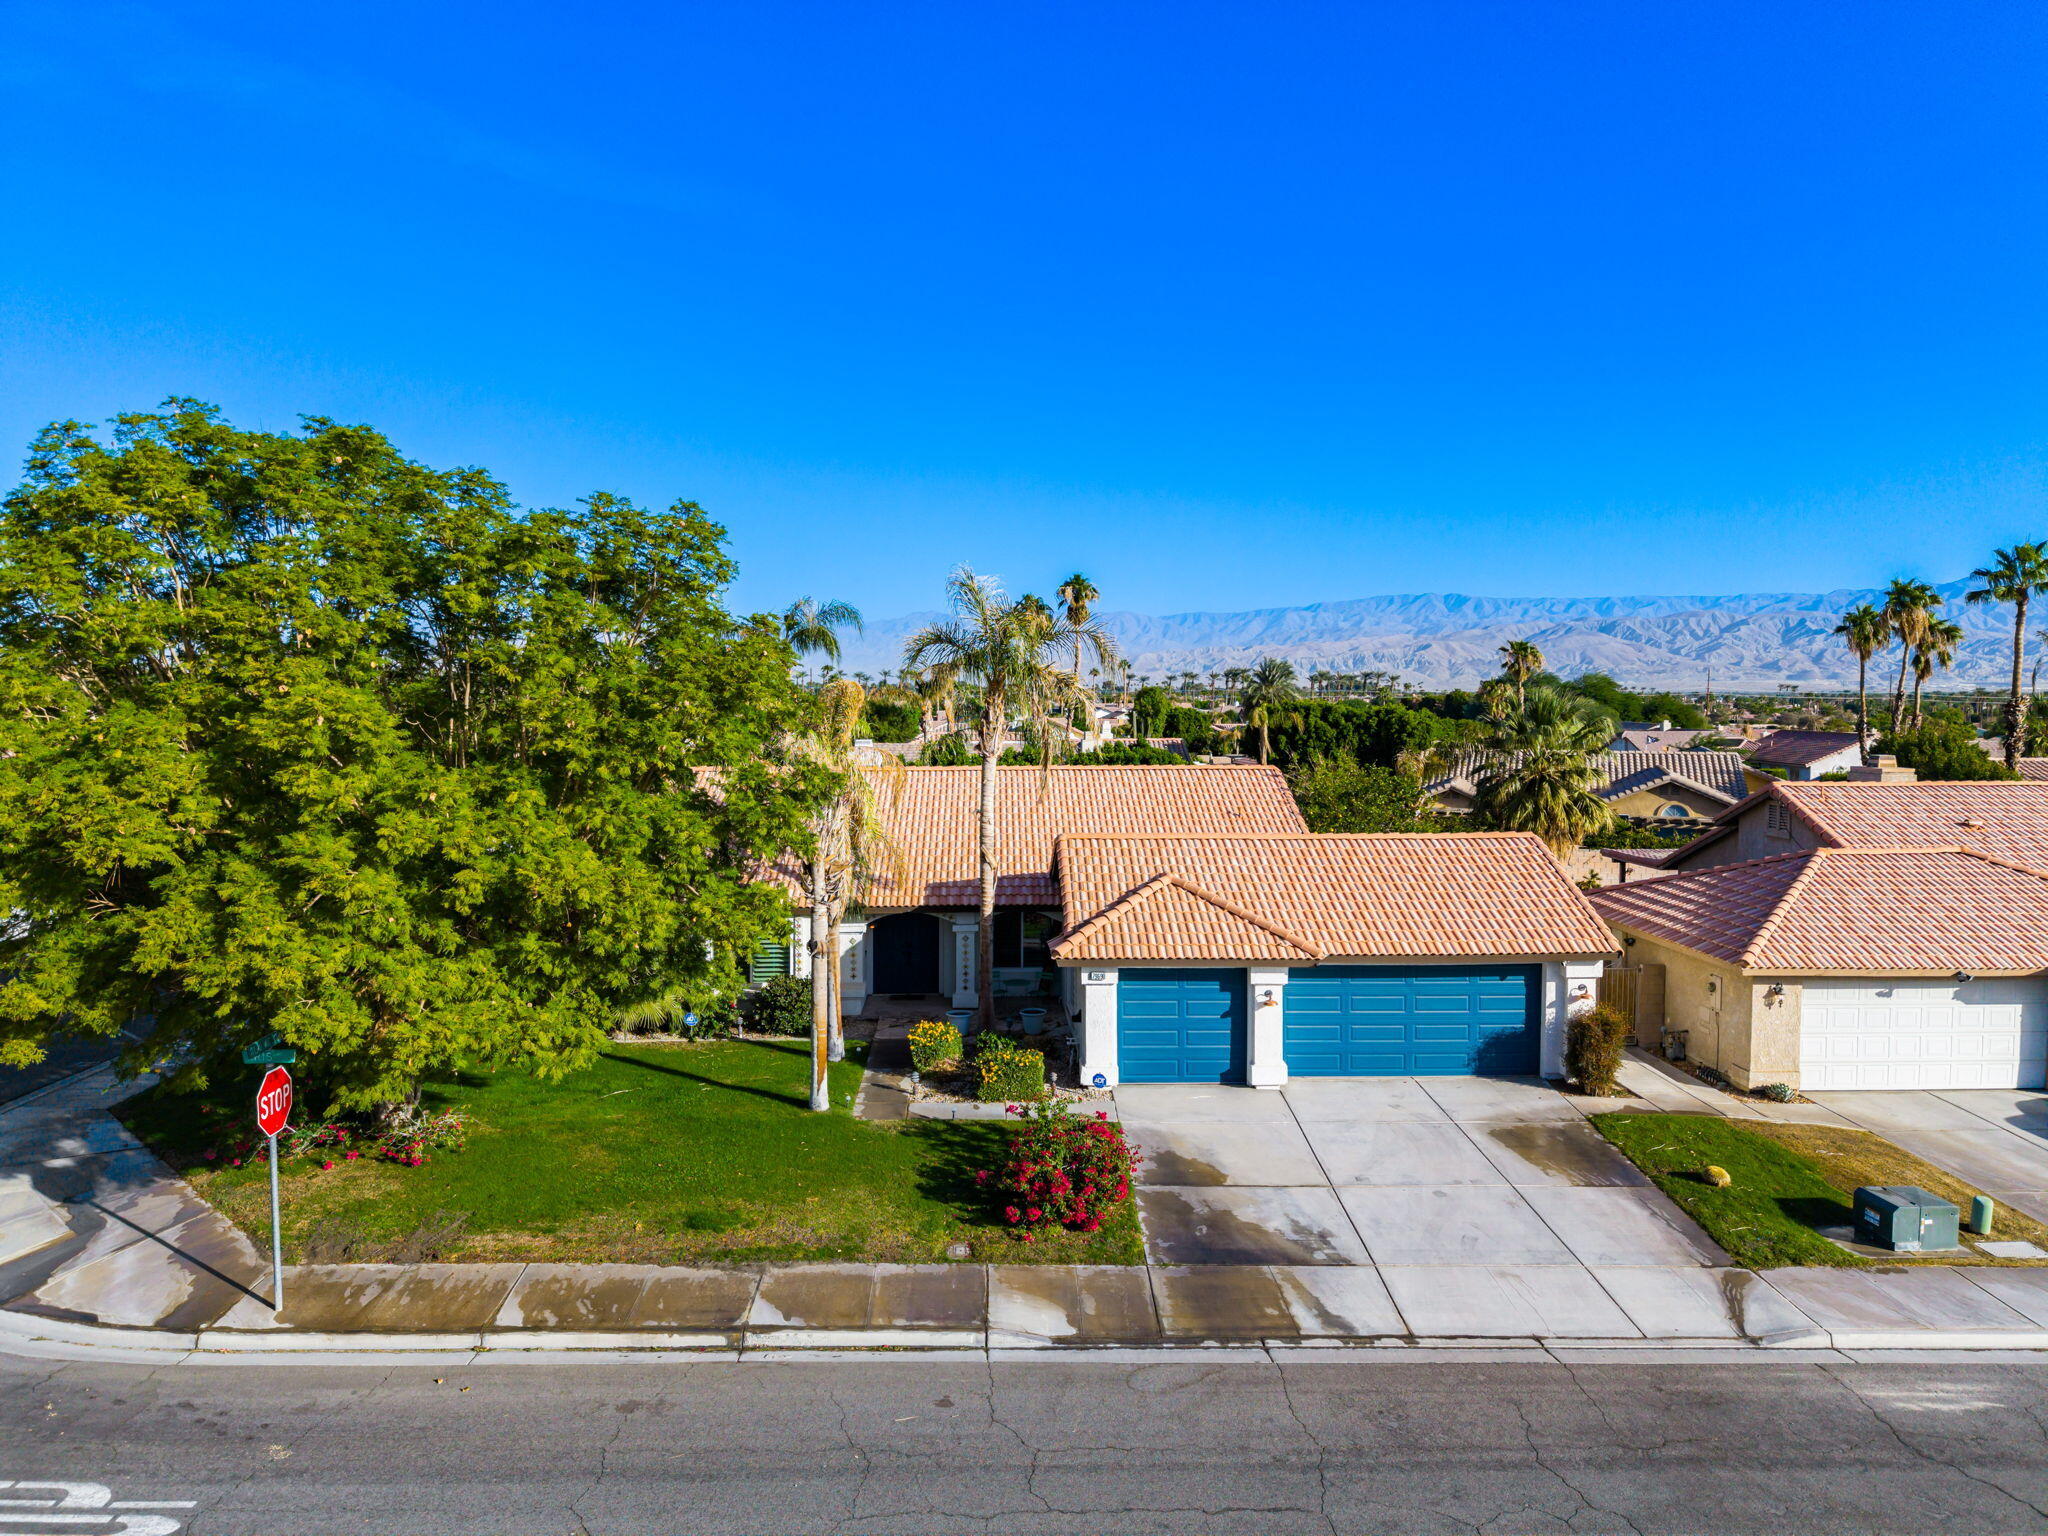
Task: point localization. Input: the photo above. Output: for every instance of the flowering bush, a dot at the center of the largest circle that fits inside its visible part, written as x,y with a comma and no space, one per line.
1061,1169
934,1043
1003,1072
408,1139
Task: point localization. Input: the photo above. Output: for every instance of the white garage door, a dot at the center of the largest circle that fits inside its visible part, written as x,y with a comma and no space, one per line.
1924,1034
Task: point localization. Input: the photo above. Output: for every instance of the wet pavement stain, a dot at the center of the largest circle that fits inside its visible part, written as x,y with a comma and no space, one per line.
1180,1231
1224,1303
1572,1154
1174,1168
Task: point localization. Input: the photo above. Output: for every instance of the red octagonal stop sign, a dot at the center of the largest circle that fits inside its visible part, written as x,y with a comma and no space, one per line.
274,1101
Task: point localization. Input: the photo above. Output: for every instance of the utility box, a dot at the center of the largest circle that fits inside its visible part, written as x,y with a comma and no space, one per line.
1905,1219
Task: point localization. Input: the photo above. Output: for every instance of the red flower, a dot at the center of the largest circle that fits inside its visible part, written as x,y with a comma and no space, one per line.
325,1166
352,1156
209,1154
1012,1214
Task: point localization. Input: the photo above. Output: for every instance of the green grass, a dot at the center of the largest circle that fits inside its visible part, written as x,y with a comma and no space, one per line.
701,1153
1788,1179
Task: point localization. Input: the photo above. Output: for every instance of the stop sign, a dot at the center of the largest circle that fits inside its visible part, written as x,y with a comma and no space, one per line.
274,1101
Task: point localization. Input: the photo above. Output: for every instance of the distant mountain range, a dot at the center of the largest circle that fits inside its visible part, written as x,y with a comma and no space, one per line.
1447,640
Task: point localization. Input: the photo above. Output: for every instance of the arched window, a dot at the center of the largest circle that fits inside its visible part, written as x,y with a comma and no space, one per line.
1674,812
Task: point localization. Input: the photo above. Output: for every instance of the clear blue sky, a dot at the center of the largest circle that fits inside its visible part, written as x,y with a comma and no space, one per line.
1231,306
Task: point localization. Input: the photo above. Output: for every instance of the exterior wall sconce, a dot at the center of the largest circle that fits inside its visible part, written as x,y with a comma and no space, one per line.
1962,976
1266,997
1628,940
1776,989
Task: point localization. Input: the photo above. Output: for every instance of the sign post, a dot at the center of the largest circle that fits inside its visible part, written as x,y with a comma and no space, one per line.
273,1109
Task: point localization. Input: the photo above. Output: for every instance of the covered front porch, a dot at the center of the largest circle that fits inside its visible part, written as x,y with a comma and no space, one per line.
923,952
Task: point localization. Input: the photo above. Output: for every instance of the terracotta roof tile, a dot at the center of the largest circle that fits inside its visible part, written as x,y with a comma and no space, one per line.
1860,911
1791,749
933,820
1717,774
1168,916
1390,895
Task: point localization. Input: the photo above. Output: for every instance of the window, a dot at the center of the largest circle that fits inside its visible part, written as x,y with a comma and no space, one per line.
1673,812
1021,938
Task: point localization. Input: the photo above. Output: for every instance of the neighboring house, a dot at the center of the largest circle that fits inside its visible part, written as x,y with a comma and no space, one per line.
1618,866
1663,787
1248,958
1654,738
2004,818
1201,933
1849,967
1808,754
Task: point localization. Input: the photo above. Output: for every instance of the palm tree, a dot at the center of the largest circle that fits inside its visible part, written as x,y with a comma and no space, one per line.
2014,576
1267,687
1544,774
1004,648
1864,631
1520,661
1077,597
851,843
810,627
1937,649
1908,610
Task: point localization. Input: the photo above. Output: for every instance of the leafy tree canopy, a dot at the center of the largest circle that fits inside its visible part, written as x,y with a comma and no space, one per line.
1338,794
297,734
1373,734
1648,707
1944,749
1149,709
884,720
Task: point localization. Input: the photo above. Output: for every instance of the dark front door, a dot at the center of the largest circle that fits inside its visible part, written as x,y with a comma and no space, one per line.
906,952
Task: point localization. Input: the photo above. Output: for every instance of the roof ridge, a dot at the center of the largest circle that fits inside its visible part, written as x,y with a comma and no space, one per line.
1752,951
1147,889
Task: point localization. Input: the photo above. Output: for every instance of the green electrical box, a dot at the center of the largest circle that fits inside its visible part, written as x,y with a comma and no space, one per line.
1905,1219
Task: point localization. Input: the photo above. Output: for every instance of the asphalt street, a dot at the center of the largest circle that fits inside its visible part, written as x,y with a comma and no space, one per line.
903,1446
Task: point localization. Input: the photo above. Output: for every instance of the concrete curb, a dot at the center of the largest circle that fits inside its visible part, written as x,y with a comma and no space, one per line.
26,1334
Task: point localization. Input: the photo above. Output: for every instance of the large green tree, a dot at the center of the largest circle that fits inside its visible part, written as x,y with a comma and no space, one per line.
299,735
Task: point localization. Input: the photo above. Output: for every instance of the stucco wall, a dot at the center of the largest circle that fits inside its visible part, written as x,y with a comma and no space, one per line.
1752,840
1650,802
1735,1026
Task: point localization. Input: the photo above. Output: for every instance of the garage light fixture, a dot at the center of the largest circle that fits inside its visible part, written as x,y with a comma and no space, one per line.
1776,989
1962,976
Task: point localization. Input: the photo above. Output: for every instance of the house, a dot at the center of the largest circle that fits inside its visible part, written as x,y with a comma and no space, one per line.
1661,787
1200,933
1257,958
1848,966
1808,754
1653,738
2004,818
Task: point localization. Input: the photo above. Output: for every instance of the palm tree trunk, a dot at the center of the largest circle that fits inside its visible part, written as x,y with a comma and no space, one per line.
1899,689
2015,707
1918,683
1863,710
985,936
835,1015
822,959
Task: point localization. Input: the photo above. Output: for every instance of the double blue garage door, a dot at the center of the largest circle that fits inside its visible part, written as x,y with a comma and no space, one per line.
1340,1021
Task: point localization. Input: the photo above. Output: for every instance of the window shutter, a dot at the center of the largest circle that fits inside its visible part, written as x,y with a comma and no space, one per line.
770,960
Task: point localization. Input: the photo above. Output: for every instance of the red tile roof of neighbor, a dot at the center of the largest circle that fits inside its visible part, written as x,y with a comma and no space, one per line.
933,821
1306,896
1856,911
1791,749
2005,818
2034,769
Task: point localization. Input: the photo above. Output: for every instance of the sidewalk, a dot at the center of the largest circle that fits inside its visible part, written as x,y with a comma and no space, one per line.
102,1247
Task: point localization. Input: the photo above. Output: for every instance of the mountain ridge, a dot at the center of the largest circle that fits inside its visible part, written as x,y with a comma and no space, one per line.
1450,639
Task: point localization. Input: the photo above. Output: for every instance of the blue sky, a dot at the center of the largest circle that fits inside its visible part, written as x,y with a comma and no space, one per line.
1230,306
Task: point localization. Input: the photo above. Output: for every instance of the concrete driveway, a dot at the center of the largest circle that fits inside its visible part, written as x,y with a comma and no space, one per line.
1465,1194
1994,1138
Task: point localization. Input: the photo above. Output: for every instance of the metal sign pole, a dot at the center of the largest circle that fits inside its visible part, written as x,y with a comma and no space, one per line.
276,1238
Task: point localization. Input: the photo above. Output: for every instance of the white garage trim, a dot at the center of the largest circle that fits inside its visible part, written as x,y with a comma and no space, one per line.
1874,1032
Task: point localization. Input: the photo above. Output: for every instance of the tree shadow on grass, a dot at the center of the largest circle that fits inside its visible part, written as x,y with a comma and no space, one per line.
714,1082
953,1152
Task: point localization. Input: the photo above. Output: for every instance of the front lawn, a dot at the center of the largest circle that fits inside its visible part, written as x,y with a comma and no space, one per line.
1787,1180
662,1154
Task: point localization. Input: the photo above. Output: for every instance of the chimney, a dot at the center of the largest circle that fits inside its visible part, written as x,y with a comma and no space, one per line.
1883,769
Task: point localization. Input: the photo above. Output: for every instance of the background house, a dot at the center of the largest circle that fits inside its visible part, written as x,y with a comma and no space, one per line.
2006,819
1808,754
1660,787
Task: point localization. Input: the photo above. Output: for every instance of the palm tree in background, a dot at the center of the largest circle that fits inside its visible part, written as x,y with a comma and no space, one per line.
1520,661
1939,642
1864,631
1267,687
1908,610
1077,597
1544,773
851,843
811,628
1006,649
2014,576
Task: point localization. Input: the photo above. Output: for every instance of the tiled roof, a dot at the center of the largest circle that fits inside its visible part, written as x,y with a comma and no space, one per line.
1392,895
1716,774
1790,749
1854,911
2034,769
2001,817
1649,738
932,819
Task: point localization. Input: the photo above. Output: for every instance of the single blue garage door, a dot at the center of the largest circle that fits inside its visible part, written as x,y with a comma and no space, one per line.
1410,1020
1180,1026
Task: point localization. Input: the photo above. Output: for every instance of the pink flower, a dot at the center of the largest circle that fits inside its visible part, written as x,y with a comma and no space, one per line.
236,1163
1012,1214
981,1176
1028,1237
1034,1213
210,1154
352,1156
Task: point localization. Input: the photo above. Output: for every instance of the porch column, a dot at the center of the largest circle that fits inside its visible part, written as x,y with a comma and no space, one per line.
800,945
1095,1034
1265,1001
966,934
1561,978
853,966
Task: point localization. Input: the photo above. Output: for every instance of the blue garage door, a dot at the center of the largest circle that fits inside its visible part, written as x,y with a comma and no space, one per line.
1410,1020
1180,1026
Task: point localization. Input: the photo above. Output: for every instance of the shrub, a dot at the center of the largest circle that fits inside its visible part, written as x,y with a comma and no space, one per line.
934,1044
411,1136
1777,1093
1060,1170
1593,1047
780,1006
1003,1071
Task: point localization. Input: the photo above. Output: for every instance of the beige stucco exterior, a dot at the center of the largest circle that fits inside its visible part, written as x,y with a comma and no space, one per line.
1655,803
1733,1022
